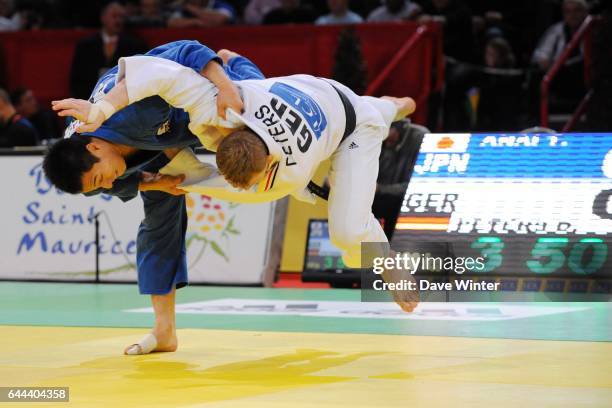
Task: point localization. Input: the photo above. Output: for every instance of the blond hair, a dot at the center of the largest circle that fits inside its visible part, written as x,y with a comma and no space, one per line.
240,156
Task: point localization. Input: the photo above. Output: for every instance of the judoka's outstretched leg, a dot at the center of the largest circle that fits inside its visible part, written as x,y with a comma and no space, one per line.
162,266
352,178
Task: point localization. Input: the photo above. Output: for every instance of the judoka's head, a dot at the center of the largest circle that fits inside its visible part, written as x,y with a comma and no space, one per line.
82,164
243,159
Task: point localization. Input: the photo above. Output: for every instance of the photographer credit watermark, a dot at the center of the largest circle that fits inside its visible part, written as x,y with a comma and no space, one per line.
475,270
391,270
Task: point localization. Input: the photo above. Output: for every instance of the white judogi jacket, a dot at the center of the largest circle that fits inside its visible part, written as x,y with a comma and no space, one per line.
300,118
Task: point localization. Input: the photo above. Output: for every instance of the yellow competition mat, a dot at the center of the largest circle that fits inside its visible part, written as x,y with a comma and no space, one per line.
226,368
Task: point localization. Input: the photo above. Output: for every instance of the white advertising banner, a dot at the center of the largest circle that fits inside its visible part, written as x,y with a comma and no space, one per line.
370,310
48,235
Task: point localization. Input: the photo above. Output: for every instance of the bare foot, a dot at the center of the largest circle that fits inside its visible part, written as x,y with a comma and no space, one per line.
405,106
157,341
227,55
166,340
406,299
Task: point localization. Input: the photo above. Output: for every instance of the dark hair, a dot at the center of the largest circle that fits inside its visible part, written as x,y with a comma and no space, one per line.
66,161
240,155
17,94
504,51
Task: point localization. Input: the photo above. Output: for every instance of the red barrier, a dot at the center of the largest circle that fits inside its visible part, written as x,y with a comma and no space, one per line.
41,59
584,30
424,45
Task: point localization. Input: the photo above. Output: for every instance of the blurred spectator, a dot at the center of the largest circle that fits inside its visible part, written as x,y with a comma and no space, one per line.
14,129
339,14
202,13
33,14
96,54
290,12
44,120
397,157
9,20
457,20
257,9
473,97
148,14
515,20
394,10
350,68
497,113
498,54
567,88
555,39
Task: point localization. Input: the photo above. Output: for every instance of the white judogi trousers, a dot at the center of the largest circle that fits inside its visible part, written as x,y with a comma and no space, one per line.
352,179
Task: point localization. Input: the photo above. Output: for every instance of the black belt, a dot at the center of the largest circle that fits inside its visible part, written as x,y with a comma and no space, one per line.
349,113
349,128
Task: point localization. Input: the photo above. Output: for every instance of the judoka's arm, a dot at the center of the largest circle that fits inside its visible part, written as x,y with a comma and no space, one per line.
206,62
161,182
228,96
142,77
179,86
127,188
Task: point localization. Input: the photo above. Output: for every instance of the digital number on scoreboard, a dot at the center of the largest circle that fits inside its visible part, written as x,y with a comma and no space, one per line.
530,205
